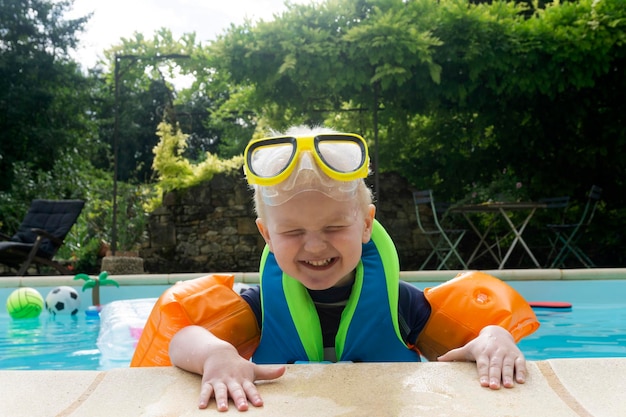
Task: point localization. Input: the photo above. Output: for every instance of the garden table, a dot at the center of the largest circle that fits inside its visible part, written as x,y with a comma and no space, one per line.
498,210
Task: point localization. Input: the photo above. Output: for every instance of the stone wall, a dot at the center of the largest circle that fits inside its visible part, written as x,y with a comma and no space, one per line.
210,227
396,212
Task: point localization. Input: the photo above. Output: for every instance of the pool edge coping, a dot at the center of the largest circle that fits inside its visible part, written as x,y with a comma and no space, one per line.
253,277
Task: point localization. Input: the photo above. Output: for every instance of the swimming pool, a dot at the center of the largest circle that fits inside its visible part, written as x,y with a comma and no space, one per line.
595,327
63,342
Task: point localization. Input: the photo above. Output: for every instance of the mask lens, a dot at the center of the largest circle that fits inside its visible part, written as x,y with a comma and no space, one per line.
340,153
270,160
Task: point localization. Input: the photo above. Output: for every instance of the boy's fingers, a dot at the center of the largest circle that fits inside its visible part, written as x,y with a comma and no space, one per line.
482,366
206,390
508,370
238,395
221,396
495,373
252,394
458,354
268,372
520,370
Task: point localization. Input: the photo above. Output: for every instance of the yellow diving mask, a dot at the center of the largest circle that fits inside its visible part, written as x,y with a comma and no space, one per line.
331,163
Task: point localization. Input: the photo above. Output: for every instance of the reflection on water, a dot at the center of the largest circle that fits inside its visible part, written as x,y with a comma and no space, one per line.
586,331
47,342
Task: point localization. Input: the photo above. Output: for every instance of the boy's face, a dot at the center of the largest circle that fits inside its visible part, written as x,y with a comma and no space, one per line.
316,239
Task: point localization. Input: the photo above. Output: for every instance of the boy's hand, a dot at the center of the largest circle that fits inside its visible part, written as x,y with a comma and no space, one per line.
225,374
228,375
497,357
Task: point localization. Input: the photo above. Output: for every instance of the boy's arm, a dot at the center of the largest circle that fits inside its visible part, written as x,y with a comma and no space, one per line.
498,359
486,317
224,372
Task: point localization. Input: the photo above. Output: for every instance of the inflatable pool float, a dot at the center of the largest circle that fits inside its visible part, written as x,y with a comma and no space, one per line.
551,305
121,326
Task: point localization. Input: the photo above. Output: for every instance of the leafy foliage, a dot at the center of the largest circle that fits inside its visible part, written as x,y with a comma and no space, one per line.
43,95
177,172
454,91
455,83
450,93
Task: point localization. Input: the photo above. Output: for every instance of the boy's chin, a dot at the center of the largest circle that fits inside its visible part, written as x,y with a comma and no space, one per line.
325,284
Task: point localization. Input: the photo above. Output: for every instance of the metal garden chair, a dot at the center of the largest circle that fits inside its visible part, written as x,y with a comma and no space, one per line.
444,242
557,203
564,242
555,213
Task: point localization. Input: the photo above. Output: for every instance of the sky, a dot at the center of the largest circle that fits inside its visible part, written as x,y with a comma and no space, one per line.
115,19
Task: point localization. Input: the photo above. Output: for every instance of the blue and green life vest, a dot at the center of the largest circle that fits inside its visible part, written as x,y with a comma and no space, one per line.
368,330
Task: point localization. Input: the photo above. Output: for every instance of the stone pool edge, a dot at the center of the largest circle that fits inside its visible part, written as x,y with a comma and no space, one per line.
253,277
556,387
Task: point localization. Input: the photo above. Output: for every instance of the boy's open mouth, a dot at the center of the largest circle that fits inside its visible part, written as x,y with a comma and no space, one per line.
322,263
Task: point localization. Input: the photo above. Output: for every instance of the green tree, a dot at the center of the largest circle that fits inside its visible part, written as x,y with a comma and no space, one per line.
457,91
43,95
486,86
143,96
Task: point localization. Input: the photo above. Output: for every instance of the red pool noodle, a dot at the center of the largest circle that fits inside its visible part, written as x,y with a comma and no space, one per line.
559,305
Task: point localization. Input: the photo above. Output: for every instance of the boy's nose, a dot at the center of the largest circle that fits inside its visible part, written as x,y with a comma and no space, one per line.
315,243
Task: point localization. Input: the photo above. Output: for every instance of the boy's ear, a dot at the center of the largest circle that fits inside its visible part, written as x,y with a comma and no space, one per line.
264,232
369,223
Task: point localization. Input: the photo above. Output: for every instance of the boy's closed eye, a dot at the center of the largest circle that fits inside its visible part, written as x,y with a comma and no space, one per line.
335,228
291,232
302,232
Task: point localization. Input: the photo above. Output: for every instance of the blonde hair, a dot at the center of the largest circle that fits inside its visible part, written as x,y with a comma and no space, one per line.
363,194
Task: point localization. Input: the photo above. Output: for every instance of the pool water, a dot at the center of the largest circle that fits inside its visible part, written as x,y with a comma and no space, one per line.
60,343
594,327
587,331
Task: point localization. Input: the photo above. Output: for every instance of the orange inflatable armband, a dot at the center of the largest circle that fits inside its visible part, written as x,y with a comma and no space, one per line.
209,302
464,305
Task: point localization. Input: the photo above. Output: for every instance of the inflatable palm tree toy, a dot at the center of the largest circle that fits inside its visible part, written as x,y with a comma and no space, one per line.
95,283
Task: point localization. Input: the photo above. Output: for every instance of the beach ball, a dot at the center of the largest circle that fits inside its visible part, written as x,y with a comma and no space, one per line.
63,301
24,303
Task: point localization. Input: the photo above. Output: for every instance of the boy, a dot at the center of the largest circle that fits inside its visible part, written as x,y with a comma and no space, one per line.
326,293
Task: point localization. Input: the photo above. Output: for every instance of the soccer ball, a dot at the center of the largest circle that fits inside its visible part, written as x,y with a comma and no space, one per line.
24,303
63,300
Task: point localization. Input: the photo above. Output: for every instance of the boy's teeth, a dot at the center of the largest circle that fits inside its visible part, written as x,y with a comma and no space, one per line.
320,263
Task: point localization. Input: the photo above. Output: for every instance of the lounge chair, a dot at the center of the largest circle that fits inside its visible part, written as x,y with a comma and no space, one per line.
40,235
